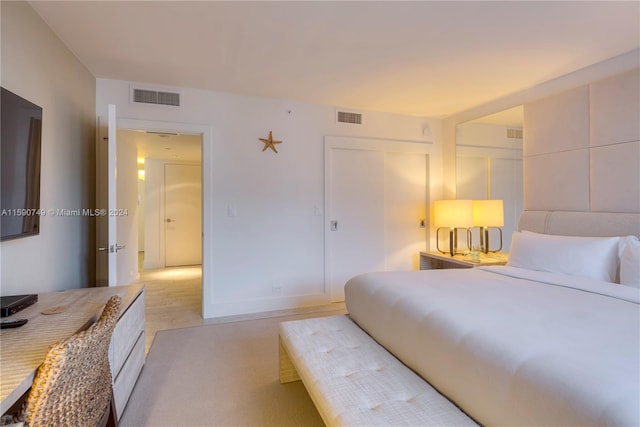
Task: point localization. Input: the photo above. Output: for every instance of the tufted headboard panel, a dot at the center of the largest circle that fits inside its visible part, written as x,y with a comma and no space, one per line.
592,224
582,148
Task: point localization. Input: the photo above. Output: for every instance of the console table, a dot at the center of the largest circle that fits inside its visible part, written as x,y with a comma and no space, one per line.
23,349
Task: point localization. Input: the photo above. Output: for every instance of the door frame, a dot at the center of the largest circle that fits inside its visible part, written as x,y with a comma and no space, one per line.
368,144
207,184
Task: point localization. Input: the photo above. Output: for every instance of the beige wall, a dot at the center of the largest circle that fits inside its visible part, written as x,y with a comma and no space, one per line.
37,66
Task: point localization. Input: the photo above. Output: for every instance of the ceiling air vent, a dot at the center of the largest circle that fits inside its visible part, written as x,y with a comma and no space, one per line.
146,96
349,117
514,133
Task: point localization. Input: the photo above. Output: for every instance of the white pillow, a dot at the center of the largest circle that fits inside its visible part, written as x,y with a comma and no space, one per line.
630,261
591,257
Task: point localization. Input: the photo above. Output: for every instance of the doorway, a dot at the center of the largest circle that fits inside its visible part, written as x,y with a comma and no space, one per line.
155,153
169,197
161,143
126,174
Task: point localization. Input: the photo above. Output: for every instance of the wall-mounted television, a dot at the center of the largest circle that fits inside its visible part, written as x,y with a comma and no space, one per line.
20,133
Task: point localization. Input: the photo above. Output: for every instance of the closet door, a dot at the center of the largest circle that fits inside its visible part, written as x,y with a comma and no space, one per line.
356,216
376,202
405,209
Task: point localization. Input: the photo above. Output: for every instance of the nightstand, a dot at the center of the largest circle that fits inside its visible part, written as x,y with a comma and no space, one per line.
435,260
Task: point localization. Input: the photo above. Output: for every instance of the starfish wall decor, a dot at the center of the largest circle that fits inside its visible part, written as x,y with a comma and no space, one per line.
270,143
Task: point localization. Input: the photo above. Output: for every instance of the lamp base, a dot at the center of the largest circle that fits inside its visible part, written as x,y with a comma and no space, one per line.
484,239
453,240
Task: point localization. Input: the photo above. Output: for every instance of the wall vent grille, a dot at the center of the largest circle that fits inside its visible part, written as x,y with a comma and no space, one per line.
514,133
146,96
349,117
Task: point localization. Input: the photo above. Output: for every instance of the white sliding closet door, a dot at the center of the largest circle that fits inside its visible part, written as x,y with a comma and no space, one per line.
376,198
406,200
356,216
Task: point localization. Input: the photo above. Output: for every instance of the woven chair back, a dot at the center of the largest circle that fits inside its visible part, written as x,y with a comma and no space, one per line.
73,385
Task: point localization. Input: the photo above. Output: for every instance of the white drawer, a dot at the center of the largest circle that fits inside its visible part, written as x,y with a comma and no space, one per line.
126,334
125,381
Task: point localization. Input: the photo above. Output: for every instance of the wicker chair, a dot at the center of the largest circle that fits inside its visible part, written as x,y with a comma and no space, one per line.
73,385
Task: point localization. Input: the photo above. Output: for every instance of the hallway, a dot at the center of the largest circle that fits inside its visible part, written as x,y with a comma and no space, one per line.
173,298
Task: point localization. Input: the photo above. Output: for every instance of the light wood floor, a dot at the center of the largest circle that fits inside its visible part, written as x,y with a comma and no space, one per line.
174,300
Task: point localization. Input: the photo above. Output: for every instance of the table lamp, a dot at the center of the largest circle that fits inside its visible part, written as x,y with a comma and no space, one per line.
488,214
452,214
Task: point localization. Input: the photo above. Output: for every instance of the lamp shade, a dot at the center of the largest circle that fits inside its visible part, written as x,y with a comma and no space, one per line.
453,213
488,213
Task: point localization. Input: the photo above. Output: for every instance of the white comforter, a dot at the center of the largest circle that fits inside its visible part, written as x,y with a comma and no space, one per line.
511,346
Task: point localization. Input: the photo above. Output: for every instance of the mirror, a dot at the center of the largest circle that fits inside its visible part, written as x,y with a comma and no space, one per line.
489,166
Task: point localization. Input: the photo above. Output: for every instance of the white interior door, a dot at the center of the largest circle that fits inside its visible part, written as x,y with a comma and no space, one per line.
356,216
106,218
183,214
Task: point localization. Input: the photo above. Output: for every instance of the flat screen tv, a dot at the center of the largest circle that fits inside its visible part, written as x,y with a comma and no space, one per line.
20,133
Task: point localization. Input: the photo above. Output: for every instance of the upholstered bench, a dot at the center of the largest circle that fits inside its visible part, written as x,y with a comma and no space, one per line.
353,380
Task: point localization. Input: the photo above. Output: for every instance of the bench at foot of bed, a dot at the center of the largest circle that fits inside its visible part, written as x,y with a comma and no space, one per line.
353,380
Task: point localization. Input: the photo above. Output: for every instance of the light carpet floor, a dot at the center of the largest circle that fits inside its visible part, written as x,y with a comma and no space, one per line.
219,375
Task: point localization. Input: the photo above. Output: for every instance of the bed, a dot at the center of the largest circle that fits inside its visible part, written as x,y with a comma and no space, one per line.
553,338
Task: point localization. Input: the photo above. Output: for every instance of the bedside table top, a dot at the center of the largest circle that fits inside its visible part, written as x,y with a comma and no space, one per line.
492,258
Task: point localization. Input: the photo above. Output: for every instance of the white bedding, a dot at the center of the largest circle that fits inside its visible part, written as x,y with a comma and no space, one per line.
511,346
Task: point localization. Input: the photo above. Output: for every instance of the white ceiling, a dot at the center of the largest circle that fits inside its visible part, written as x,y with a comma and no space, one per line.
513,117
424,58
164,146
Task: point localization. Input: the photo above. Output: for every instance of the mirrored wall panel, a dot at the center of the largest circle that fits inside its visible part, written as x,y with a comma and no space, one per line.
489,166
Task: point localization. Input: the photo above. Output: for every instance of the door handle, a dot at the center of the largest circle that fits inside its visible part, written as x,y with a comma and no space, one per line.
168,220
334,225
112,248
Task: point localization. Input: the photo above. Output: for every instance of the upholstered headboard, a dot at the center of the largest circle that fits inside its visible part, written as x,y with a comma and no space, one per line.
581,148
594,224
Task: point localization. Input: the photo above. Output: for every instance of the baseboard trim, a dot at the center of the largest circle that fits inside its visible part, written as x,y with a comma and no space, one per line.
232,308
